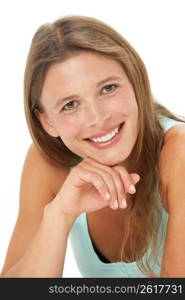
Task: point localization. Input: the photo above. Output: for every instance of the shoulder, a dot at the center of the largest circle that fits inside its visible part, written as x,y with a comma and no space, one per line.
172,172
40,171
172,166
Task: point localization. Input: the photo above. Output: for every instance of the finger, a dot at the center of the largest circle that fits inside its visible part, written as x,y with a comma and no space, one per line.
128,181
120,199
110,183
89,176
121,196
135,177
101,186
111,176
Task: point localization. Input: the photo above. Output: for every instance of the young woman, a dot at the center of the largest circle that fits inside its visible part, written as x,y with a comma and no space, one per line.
106,167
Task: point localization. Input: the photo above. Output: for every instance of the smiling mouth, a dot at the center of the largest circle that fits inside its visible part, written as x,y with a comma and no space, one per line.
108,137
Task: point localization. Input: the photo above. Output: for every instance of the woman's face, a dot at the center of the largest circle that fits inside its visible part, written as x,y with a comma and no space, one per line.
90,103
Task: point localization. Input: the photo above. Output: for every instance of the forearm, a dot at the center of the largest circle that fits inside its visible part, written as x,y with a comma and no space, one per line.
46,254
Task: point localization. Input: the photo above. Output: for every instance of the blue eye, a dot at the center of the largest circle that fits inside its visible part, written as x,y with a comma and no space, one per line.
109,88
69,105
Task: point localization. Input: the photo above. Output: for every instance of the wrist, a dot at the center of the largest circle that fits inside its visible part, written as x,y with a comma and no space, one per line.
52,214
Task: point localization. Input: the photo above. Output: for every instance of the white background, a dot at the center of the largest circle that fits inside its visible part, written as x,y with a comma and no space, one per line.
156,28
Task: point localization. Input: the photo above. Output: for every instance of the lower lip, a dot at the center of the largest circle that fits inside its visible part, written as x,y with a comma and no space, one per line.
110,143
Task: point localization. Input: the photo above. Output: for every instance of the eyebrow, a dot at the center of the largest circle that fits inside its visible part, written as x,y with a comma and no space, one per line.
61,100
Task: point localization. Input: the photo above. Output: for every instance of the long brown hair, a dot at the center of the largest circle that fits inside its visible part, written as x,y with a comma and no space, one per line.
56,42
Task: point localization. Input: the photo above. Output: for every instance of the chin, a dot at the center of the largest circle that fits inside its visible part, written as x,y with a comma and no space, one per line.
112,161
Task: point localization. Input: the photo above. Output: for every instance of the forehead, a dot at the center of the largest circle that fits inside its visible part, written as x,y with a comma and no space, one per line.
83,64
85,69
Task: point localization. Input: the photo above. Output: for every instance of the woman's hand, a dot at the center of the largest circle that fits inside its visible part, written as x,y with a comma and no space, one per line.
91,186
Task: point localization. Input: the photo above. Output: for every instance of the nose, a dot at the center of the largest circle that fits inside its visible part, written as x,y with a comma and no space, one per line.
97,116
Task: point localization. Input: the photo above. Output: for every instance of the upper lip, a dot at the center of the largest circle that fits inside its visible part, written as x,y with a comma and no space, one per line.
103,133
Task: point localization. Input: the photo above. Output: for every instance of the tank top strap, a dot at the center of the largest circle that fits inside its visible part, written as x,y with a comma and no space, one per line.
167,123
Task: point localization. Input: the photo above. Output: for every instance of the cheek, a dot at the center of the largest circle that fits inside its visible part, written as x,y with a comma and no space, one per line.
126,103
68,126
125,100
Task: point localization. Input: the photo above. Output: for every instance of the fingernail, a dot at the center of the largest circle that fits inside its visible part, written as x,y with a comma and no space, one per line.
107,196
123,203
115,204
132,188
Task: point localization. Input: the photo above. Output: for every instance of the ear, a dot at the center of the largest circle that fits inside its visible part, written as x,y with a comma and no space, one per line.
46,124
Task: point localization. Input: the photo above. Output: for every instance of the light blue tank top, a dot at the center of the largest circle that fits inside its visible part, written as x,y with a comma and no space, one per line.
87,260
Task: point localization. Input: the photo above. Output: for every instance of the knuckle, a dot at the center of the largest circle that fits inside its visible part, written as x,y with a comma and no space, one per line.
98,179
96,176
120,169
108,176
107,169
114,173
117,168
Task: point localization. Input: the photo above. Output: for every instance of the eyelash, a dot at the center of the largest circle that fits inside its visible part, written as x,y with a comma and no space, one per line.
107,86
111,85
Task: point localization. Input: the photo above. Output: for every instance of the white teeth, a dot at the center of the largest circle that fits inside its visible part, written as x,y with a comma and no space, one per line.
107,137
